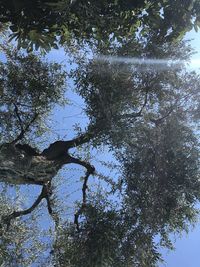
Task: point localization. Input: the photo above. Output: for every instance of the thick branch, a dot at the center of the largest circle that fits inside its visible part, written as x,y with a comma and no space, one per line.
59,148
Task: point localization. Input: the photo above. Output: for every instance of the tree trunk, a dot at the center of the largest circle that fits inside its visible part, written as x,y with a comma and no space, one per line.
21,164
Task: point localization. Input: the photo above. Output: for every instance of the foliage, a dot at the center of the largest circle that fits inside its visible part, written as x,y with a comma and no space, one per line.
27,91
107,238
145,114
46,23
118,94
20,244
161,174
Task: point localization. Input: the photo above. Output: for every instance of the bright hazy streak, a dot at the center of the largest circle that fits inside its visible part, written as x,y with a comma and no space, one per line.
145,62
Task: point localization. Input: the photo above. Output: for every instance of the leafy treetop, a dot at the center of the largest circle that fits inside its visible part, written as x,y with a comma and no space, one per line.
48,23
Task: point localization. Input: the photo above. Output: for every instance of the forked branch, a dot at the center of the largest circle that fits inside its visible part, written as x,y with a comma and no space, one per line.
45,193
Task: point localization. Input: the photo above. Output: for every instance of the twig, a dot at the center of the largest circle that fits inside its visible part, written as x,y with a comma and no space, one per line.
145,102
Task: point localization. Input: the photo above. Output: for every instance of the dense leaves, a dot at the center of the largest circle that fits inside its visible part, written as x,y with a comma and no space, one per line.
119,93
46,23
161,173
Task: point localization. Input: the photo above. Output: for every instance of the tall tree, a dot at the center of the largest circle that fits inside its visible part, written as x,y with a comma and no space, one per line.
145,115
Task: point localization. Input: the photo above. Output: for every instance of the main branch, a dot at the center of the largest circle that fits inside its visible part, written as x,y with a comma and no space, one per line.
59,149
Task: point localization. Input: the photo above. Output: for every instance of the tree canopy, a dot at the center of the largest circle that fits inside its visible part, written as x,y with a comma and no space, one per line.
48,23
142,108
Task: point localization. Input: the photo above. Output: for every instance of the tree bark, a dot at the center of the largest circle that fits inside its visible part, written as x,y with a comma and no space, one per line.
21,164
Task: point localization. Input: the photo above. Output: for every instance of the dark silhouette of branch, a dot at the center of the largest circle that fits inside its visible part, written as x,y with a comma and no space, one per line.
18,117
59,149
45,193
133,116
144,104
161,119
90,170
23,130
83,205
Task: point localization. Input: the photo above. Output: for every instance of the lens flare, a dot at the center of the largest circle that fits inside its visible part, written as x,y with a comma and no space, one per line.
146,63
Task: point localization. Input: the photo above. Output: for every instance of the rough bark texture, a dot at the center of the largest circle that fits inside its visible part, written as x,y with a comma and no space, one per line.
18,167
22,164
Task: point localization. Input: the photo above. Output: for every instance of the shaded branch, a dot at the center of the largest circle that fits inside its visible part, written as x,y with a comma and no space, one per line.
144,104
24,130
45,193
59,149
139,113
90,170
160,120
18,117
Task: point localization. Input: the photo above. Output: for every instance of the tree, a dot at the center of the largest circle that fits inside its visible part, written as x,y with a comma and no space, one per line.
46,23
145,115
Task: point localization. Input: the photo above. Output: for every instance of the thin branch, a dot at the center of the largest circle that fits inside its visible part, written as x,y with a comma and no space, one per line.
90,170
18,117
45,193
160,120
83,205
139,113
24,130
144,104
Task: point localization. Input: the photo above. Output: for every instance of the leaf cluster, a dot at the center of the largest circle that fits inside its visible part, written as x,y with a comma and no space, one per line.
45,24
